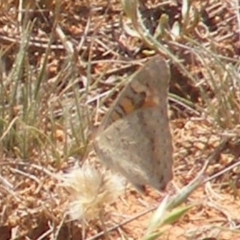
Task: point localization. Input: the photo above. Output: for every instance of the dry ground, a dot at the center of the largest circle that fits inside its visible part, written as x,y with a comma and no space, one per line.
32,202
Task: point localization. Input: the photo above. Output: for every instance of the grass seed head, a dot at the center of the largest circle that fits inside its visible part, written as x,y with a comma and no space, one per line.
89,191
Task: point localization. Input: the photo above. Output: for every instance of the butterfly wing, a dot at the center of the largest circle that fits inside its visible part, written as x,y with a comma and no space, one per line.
145,89
134,137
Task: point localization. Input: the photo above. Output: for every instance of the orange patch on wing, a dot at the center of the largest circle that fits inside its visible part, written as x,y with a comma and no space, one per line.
127,105
151,101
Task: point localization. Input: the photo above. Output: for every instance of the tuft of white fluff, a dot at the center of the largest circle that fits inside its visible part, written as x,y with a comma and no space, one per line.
89,191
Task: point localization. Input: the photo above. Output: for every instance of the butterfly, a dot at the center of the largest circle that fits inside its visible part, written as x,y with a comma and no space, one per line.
134,137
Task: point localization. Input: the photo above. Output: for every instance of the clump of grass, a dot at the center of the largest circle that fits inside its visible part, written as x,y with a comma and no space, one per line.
34,109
